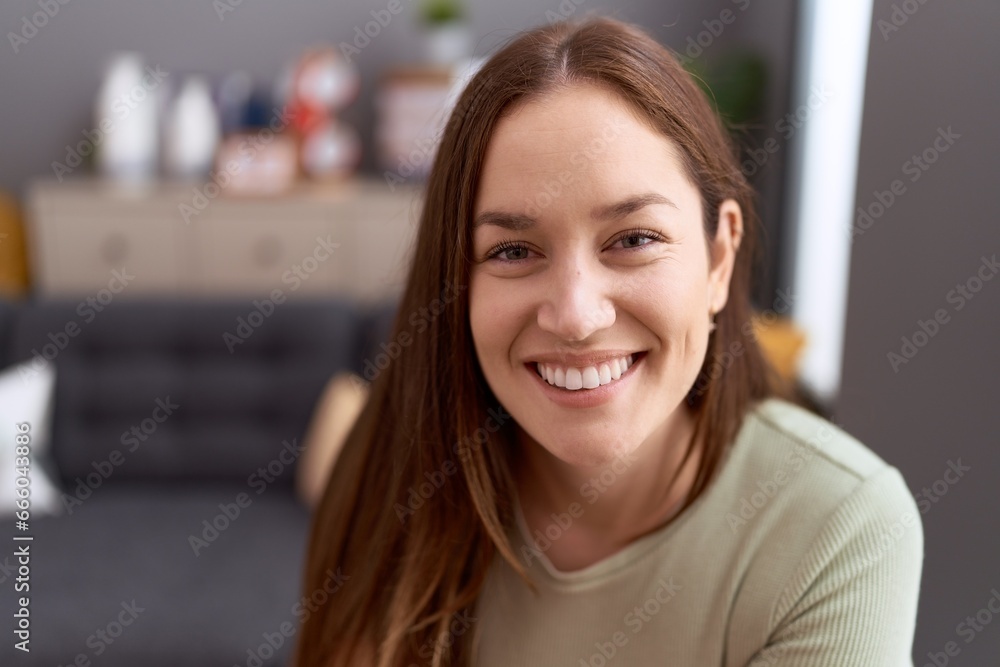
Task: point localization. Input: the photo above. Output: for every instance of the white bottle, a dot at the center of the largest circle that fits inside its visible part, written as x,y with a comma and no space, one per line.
126,115
192,131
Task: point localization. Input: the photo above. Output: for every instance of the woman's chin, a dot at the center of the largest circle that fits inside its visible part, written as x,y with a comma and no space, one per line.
591,453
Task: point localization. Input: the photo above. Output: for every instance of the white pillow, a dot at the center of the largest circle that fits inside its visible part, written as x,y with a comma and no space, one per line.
26,397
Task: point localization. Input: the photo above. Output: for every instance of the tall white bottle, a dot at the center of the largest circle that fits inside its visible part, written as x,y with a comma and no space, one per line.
128,106
192,131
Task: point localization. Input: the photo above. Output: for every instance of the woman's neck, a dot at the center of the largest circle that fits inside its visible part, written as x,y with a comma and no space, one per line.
619,502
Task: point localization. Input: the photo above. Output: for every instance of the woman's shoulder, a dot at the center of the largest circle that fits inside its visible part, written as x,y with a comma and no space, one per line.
778,430
793,467
825,528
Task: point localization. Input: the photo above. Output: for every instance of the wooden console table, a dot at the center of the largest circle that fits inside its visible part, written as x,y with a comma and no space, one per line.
355,238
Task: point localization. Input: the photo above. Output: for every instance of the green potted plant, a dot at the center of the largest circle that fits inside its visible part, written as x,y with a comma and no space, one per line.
448,38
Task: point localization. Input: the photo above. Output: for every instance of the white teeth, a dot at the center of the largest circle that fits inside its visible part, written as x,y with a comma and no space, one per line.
574,378
589,377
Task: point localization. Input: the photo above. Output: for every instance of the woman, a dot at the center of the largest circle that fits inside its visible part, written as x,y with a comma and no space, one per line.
581,457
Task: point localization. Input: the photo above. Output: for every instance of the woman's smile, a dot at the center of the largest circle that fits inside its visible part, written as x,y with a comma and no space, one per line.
587,387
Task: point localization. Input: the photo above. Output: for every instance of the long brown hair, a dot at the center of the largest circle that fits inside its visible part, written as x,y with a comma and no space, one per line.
420,500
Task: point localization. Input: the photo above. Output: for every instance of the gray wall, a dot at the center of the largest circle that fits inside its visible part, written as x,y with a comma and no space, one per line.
50,84
938,70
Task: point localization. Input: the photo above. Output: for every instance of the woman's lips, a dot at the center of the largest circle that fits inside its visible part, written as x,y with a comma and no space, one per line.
585,398
591,376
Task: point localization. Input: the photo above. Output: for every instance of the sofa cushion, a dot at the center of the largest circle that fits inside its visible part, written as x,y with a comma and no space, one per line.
159,390
26,470
124,565
376,338
8,311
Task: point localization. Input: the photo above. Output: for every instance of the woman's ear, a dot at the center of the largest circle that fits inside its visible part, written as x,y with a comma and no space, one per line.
723,248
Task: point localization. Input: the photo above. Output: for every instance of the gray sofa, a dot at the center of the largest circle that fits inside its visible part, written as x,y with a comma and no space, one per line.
181,541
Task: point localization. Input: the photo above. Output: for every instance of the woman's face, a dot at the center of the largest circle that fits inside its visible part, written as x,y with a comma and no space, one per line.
606,259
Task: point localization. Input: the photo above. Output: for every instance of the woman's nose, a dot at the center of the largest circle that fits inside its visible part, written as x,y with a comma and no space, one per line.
576,303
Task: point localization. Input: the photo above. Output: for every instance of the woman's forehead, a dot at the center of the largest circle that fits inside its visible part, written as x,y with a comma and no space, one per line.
575,132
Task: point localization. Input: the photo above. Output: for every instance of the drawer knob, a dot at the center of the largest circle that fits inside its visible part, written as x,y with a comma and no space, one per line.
267,251
114,249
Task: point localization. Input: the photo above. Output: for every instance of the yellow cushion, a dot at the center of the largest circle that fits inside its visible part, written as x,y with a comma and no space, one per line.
337,410
13,257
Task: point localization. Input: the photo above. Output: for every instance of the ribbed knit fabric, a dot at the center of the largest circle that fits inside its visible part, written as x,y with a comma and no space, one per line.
806,550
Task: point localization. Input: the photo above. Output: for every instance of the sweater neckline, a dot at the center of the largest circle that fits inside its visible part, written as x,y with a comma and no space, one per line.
618,562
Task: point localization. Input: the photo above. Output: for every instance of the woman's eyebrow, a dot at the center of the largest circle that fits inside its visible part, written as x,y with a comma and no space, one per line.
629,205
519,222
512,221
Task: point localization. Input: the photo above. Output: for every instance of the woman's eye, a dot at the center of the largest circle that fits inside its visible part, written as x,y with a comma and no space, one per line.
626,240
632,239
519,252
501,250
511,252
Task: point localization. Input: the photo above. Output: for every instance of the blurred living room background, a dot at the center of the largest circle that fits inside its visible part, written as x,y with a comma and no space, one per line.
207,211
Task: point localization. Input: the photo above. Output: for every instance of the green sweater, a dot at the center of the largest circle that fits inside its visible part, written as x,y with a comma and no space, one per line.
806,550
